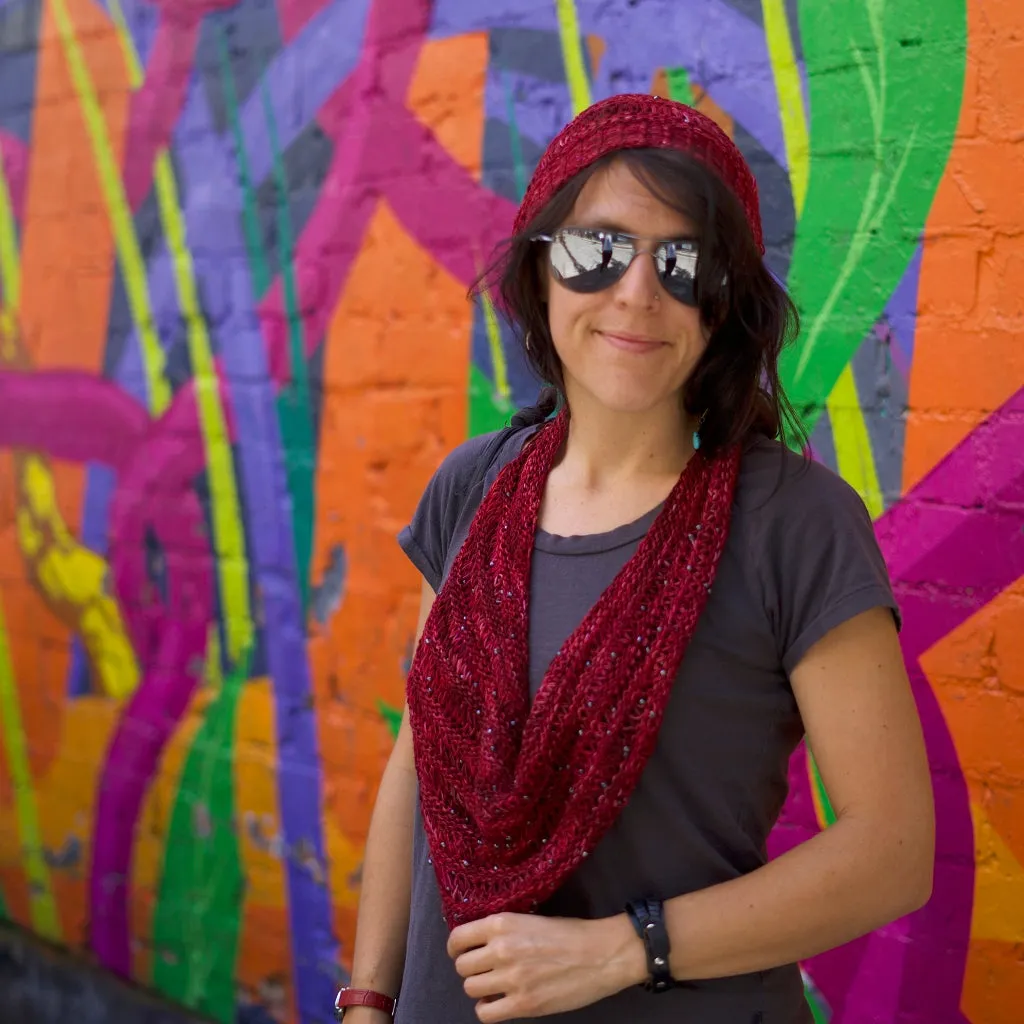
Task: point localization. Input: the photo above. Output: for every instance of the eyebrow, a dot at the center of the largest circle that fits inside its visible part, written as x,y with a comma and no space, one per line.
604,224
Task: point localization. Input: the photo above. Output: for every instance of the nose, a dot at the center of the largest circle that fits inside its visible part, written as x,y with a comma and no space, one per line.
639,287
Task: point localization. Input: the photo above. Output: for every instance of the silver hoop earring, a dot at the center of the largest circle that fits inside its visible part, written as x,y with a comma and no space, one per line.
526,342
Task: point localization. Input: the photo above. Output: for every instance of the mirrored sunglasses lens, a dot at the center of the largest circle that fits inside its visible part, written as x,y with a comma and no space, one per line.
677,269
580,261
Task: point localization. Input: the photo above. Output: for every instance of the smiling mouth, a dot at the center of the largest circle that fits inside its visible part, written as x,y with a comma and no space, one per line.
631,342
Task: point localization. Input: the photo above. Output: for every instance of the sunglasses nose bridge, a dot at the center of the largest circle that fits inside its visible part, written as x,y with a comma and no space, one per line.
646,280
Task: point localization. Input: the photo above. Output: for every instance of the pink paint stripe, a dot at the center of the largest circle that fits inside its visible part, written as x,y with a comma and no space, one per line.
155,492
955,542
952,545
14,154
156,106
444,208
294,15
69,415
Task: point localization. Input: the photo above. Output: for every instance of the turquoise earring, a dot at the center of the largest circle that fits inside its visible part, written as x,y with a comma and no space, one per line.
696,433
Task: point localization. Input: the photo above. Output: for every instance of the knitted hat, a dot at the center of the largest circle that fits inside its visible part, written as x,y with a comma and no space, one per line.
635,121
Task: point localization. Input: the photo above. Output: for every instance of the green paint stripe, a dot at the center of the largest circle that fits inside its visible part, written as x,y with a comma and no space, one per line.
392,716
487,410
293,405
228,532
515,138
678,82
42,906
820,793
197,922
250,218
854,454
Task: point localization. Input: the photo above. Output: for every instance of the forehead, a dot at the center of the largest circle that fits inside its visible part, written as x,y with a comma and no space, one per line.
615,199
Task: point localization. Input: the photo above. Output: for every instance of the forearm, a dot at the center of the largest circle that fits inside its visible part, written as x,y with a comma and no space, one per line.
842,883
383,920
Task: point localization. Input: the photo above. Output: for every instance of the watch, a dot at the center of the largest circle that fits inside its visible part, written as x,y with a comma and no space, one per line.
347,997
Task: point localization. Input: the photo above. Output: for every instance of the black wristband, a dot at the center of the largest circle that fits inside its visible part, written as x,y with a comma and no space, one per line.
648,919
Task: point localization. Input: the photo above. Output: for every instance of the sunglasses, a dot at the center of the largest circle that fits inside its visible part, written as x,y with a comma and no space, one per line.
588,260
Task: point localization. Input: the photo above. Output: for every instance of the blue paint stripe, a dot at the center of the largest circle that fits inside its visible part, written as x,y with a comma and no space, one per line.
243,353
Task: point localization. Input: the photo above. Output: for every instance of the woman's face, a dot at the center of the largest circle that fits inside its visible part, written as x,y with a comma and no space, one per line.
632,346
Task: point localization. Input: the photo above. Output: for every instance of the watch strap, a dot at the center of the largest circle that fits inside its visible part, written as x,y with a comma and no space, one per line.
648,919
348,997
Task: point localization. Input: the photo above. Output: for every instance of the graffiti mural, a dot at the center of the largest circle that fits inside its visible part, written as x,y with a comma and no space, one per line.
235,245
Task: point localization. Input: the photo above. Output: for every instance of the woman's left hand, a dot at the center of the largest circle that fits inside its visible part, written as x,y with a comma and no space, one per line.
526,965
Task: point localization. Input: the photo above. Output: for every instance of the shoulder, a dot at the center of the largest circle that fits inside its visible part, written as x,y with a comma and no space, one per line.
474,462
777,485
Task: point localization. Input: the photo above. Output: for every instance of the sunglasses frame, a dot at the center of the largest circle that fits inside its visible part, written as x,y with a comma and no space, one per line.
607,239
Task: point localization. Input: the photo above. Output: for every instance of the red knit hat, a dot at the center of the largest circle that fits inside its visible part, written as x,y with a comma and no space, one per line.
635,121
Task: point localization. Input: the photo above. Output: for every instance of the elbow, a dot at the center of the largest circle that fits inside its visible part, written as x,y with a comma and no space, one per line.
913,874
918,889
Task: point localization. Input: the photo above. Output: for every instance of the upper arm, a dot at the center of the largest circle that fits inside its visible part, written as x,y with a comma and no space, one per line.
403,752
835,619
863,728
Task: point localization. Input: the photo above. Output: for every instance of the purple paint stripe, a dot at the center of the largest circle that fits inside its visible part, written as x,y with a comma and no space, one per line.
203,158
14,154
721,49
302,78
901,312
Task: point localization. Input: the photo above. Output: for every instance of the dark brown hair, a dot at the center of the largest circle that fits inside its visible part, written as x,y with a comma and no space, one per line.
735,385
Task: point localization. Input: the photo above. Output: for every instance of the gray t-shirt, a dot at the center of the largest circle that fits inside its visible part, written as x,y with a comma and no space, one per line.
800,559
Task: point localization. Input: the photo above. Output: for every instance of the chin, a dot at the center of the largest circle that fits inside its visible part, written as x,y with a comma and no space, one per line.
631,399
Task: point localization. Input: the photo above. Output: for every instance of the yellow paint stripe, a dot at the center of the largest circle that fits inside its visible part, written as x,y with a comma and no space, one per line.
998,885
854,456
133,266
43,907
791,98
572,55
10,265
498,363
229,539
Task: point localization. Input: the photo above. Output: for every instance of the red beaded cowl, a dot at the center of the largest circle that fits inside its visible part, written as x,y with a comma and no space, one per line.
515,796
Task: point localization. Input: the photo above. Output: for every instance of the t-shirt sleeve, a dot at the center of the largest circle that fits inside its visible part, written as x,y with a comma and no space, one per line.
428,536
822,560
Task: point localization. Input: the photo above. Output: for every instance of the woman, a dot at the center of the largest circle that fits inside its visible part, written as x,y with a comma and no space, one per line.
642,605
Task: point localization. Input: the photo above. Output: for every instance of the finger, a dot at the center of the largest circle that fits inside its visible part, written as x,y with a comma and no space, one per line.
472,934
491,1011
475,961
488,985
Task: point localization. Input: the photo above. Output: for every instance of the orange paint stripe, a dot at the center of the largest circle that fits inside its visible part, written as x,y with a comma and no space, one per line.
447,93
967,352
66,254
382,445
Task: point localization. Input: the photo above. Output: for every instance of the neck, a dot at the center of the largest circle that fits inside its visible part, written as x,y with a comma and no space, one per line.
606,448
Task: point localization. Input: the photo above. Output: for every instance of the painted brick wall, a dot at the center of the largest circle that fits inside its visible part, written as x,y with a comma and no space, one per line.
235,242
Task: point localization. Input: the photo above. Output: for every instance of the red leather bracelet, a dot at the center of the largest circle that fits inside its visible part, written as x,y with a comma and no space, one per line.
363,997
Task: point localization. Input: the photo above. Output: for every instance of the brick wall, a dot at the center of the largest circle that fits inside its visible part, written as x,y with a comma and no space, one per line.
235,243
